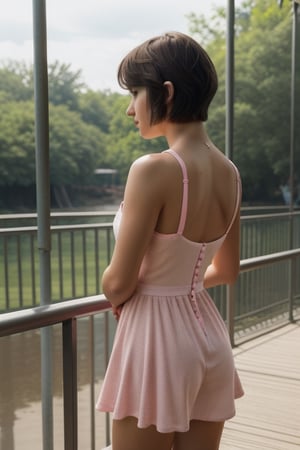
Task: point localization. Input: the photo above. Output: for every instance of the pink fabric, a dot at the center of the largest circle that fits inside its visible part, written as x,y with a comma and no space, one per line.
172,360
185,181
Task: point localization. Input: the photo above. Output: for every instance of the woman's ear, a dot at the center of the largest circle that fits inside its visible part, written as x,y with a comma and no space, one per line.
169,87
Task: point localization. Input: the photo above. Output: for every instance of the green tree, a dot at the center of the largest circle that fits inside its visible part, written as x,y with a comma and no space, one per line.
15,81
65,85
262,92
94,109
76,148
124,141
17,151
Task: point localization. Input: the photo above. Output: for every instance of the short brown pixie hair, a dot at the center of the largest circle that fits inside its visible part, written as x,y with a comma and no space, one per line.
173,57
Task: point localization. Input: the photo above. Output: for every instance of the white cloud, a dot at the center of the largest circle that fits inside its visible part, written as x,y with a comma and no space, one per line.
93,35
115,18
99,59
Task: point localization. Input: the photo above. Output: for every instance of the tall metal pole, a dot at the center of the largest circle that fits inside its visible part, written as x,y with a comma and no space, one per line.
295,38
229,78
43,206
229,136
292,111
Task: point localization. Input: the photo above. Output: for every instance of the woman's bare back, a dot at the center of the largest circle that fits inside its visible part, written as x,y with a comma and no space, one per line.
211,198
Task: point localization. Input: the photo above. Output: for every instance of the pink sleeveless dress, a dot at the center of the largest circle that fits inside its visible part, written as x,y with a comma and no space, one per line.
172,360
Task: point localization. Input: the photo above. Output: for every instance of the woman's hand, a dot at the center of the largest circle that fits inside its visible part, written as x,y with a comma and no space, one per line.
116,310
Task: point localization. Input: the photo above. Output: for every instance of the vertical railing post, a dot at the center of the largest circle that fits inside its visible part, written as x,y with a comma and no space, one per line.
292,282
230,298
92,380
40,68
106,360
107,336
70,384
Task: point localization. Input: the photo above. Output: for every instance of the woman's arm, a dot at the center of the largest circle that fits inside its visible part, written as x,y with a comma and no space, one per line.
143,201
225,266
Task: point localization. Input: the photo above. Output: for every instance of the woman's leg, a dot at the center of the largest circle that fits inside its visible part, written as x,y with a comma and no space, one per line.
127,436
201,436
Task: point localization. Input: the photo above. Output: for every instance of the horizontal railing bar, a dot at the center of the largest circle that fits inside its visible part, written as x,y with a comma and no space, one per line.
268,216
113,212
264,208
259,261
59,214
15,230
260,310
33,229
84,226
42,316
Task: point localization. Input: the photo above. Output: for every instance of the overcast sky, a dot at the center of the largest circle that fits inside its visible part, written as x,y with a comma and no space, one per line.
93,35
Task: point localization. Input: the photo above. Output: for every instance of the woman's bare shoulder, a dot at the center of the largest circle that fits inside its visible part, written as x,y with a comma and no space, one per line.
151,164
150,159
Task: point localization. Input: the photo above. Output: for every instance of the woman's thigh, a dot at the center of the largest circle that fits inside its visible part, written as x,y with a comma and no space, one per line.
201,436
127,436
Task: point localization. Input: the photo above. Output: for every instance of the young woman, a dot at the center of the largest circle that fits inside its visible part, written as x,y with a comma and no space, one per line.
171,380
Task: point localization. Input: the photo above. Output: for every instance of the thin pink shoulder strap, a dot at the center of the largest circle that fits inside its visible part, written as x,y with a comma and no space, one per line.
238,194
185,181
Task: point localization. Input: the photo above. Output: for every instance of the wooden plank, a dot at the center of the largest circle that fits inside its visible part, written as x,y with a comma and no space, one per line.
268,416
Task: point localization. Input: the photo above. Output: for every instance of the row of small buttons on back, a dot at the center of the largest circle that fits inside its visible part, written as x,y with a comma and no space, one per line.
194,281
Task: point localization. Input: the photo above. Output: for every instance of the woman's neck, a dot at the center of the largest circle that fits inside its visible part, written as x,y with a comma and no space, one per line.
186,135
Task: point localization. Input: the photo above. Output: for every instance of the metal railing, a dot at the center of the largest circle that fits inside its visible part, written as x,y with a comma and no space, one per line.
64,313
269,233
68,312
78,257
80,252
286,298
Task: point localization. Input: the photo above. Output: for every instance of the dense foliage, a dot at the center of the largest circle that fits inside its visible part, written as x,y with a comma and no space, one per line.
262,93
89,129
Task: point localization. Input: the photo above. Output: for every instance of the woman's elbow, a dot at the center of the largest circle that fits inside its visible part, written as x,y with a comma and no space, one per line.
116,290
114,293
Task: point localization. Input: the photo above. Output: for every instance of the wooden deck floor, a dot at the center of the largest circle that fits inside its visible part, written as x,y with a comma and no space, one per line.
268,416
